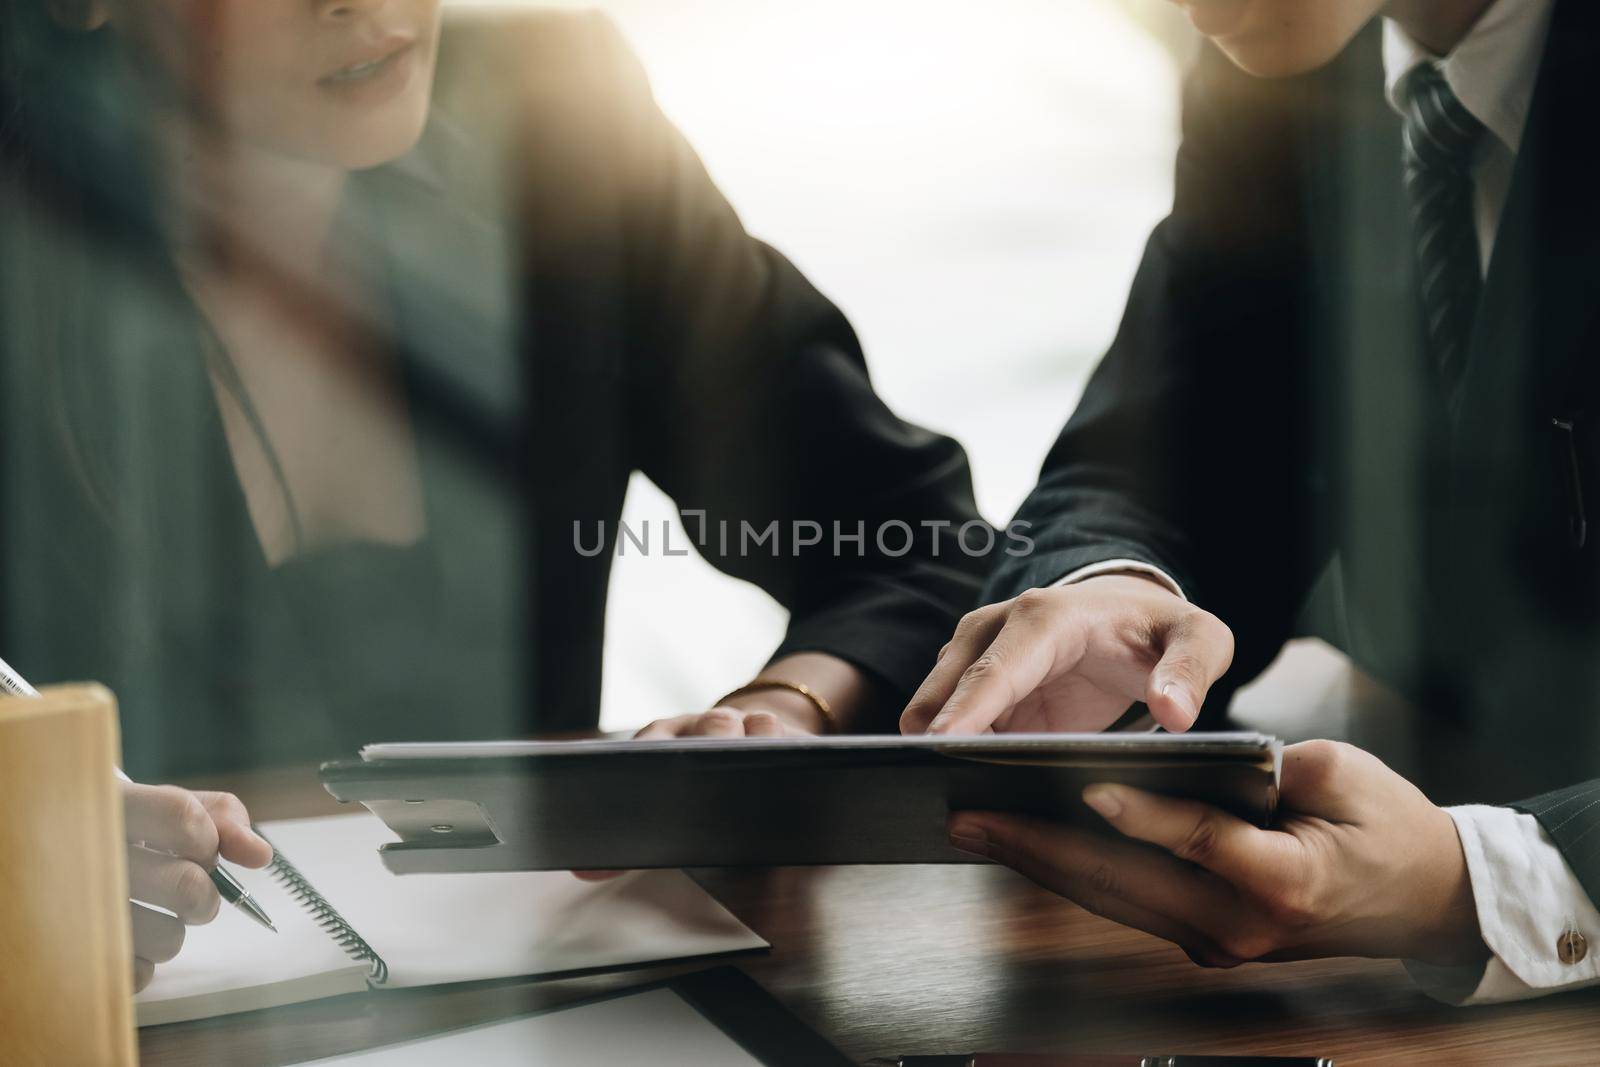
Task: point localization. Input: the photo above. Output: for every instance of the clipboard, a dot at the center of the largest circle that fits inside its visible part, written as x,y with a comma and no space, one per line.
712,802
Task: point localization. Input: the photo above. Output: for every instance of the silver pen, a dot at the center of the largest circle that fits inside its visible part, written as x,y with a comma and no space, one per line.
13,684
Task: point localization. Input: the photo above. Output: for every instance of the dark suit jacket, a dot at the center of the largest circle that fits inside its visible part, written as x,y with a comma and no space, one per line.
1267,416
575,302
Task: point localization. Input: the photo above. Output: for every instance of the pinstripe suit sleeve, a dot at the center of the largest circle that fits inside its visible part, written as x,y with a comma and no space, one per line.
1571,817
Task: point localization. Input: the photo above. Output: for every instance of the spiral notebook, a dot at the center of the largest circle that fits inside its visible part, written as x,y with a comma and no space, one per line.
346,924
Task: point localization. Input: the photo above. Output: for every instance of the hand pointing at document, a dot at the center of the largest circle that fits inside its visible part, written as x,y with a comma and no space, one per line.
1073,658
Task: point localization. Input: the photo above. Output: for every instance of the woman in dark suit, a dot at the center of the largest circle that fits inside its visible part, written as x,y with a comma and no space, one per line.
332,333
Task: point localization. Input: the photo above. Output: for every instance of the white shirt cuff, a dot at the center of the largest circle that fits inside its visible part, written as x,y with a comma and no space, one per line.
1527,898
1123,566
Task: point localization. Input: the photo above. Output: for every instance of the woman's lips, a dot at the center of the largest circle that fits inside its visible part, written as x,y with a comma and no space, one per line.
376,79
369,62
1217,18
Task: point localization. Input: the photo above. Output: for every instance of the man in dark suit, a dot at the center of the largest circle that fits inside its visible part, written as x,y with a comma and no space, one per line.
1362,348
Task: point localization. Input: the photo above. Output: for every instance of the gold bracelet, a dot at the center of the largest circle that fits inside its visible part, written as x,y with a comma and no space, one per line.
829,722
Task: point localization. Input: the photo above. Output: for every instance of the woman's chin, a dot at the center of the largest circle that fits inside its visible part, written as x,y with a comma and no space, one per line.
376,154
363,145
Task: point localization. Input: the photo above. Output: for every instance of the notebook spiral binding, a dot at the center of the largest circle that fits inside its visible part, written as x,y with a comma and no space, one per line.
326,916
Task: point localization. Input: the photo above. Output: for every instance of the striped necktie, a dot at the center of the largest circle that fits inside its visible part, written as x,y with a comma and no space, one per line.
1441,141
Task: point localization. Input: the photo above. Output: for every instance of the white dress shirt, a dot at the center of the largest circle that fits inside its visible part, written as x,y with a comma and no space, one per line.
1526,894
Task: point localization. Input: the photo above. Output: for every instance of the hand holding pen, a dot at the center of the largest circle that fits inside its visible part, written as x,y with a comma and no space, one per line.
175,839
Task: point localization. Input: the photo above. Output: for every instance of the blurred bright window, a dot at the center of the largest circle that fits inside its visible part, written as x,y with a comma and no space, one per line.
971,182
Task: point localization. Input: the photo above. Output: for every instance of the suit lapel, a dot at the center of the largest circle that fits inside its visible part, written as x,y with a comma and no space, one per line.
1533,348
1459,587
1517,603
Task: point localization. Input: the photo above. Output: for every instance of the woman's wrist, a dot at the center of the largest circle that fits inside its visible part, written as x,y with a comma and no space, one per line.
788,705
813,691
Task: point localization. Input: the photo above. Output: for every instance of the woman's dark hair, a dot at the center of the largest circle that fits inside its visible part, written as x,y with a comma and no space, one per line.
70,122
75,151
74,168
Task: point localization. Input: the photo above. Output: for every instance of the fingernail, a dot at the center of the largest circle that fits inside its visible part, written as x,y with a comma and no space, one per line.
1104,799
1180,696
970,838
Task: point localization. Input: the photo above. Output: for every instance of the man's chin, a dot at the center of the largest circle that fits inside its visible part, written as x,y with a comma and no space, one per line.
1278,58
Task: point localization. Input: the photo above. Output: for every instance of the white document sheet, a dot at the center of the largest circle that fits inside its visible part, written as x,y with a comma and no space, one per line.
658,1028
428,928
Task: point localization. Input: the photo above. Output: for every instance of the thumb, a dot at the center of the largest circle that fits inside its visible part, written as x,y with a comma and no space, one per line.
238,843
1199,650
237,840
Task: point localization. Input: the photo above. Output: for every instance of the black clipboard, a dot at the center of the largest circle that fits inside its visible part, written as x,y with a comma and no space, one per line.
734,1003
598,805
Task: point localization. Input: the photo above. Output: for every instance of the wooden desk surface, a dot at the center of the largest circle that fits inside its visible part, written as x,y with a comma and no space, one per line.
945,959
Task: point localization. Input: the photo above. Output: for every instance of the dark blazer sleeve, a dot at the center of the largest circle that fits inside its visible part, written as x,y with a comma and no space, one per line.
1572,819
1186,450
751,406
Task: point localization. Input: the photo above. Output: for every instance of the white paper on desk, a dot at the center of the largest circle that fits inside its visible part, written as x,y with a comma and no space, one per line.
234,965
658,1028
429,928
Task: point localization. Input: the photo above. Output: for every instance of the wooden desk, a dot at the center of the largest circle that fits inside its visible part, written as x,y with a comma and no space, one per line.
946,959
